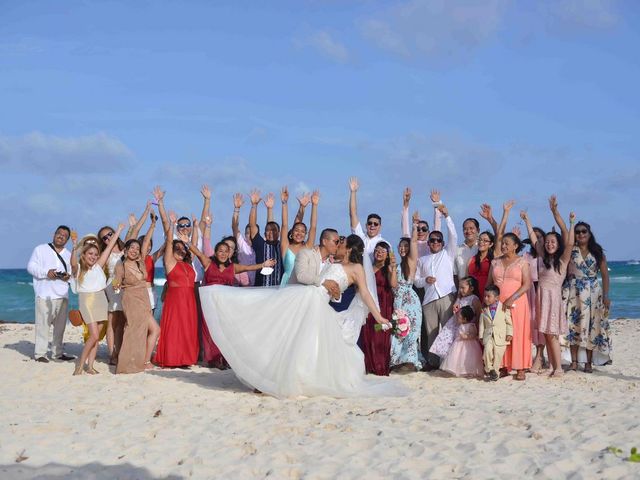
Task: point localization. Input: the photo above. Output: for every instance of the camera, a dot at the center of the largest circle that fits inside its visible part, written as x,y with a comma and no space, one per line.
61,275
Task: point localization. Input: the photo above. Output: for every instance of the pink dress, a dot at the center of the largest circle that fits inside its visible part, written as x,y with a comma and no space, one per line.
448,333
465,356
537,337
551,312
518,354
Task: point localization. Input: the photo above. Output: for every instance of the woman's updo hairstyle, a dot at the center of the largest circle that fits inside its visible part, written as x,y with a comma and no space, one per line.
515,239
355,243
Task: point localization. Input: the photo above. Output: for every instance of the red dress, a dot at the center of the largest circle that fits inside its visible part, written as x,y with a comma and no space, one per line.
213,276
481,274
178,343
377,345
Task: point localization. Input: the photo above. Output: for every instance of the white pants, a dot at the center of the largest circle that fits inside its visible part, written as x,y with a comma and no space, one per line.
50,312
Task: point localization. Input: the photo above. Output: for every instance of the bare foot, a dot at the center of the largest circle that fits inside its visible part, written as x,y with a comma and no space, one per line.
78,371
92,371
573,367
148,366
556,374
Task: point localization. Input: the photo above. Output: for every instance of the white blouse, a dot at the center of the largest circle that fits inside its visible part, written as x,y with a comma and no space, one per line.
93,281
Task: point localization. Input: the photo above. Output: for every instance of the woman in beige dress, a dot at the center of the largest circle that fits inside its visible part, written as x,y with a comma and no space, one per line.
141,330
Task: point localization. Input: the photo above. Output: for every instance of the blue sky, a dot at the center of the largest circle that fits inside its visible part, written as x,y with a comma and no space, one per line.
486,101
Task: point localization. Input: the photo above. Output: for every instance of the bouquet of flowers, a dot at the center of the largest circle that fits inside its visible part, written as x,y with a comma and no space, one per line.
400,324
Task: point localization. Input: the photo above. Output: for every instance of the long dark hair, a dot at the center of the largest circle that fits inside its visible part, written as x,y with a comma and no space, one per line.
355,243
515,239
385,266
404,261
476,257
187,254
234,257
553,259
533,251
127,245
102,244
594,247
213,257
290,232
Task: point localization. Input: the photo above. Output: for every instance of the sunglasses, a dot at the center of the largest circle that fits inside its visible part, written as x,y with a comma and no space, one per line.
581,231
423,229
373,224
107,236
184,225
435,240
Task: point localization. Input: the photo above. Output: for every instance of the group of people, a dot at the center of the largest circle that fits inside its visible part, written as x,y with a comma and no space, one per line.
475,309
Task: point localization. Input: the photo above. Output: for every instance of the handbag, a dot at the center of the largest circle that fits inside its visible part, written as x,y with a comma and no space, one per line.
75,317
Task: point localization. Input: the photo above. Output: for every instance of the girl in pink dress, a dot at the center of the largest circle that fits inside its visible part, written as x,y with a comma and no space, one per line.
511,274
465,357
554,253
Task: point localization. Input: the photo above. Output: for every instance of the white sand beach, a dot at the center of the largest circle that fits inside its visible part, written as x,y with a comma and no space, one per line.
203,423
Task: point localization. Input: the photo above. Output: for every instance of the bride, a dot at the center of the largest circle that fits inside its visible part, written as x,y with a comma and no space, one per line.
289,342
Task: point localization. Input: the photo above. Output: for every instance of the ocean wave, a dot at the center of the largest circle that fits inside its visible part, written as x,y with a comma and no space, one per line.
633,262
25,283
159,282
625,279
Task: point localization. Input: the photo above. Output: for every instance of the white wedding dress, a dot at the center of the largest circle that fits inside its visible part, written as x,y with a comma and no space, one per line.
289,342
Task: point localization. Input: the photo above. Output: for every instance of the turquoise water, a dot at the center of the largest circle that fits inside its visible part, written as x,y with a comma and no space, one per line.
17,302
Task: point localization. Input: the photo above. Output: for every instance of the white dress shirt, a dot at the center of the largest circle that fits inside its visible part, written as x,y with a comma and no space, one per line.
440,266
369,242
42,260
464,253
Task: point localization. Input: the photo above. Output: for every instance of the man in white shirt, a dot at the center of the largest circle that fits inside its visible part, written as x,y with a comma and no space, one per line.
374,223
50,266
435,273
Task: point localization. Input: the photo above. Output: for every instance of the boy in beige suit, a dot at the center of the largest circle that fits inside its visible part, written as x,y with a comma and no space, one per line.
495,330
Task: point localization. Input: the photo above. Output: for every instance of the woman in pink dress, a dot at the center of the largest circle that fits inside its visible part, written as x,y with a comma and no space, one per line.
511,274
554,253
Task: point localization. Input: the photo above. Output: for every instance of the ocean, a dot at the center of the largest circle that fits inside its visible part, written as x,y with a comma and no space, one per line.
17,300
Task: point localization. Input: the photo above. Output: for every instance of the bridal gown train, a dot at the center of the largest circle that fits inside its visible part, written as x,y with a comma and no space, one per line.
289,342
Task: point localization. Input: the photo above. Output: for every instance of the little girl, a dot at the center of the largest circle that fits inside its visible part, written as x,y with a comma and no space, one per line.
465,356
467,289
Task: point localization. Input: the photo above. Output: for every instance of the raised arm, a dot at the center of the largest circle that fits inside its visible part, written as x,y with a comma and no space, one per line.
392,278
159,196
269,202
204,260
303,201
284,230
452,235
238,201
361,284
253,214
206,205
104,256
437,215
404,218
487,214
195,230
353,202
74,254
136,225
553,206
413,251
167,224
571,239
313,228
149,235
506,208
207,248
538,246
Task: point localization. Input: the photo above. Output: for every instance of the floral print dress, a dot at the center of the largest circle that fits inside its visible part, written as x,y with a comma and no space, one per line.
582,294
407,350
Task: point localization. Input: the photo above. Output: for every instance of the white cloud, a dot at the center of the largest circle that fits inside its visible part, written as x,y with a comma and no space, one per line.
324,43
43,154
435,29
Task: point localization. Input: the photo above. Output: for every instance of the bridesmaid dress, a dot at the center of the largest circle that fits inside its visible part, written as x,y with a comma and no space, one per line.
407,350
377,344
518,354
213,276
178,343
288,262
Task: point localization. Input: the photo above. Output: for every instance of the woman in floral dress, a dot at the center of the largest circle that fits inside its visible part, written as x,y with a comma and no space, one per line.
587,301
405,353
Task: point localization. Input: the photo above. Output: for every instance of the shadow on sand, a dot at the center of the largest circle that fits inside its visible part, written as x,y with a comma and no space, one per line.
94,471
213,379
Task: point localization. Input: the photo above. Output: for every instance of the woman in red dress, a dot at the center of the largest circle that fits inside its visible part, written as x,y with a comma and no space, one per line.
178,343
219,270
480,263
377,344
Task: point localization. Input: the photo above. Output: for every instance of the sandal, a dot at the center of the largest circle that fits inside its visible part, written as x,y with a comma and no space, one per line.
588,368
521,376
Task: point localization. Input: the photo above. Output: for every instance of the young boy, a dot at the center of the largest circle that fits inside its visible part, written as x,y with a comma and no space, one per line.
495,330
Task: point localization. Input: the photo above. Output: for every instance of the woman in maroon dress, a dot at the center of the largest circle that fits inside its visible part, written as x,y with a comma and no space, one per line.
178,343
220,270
377,344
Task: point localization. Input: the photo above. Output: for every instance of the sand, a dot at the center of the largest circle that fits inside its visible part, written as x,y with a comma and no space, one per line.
203,423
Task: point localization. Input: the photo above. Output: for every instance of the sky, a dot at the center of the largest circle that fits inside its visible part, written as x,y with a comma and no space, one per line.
484,100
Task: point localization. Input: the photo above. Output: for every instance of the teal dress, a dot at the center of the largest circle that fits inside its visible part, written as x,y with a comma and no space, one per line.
407,350
288,262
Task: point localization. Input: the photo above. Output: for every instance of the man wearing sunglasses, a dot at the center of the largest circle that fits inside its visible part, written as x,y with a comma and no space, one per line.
374,223
434,273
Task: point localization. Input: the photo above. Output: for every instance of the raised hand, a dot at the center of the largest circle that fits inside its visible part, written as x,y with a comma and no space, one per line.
120,229
194,221
435,195
443,210
153,217
406,197
572,218
269,200
132,220
507,206
524,215
485,211
315,197
255,197
284,194
553,203
158,194
516,231
416,217
172,216
238,200
74,237
206,193
184,237
354,185
304,200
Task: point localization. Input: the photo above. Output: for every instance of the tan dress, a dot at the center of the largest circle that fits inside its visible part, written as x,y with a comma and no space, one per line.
137,310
